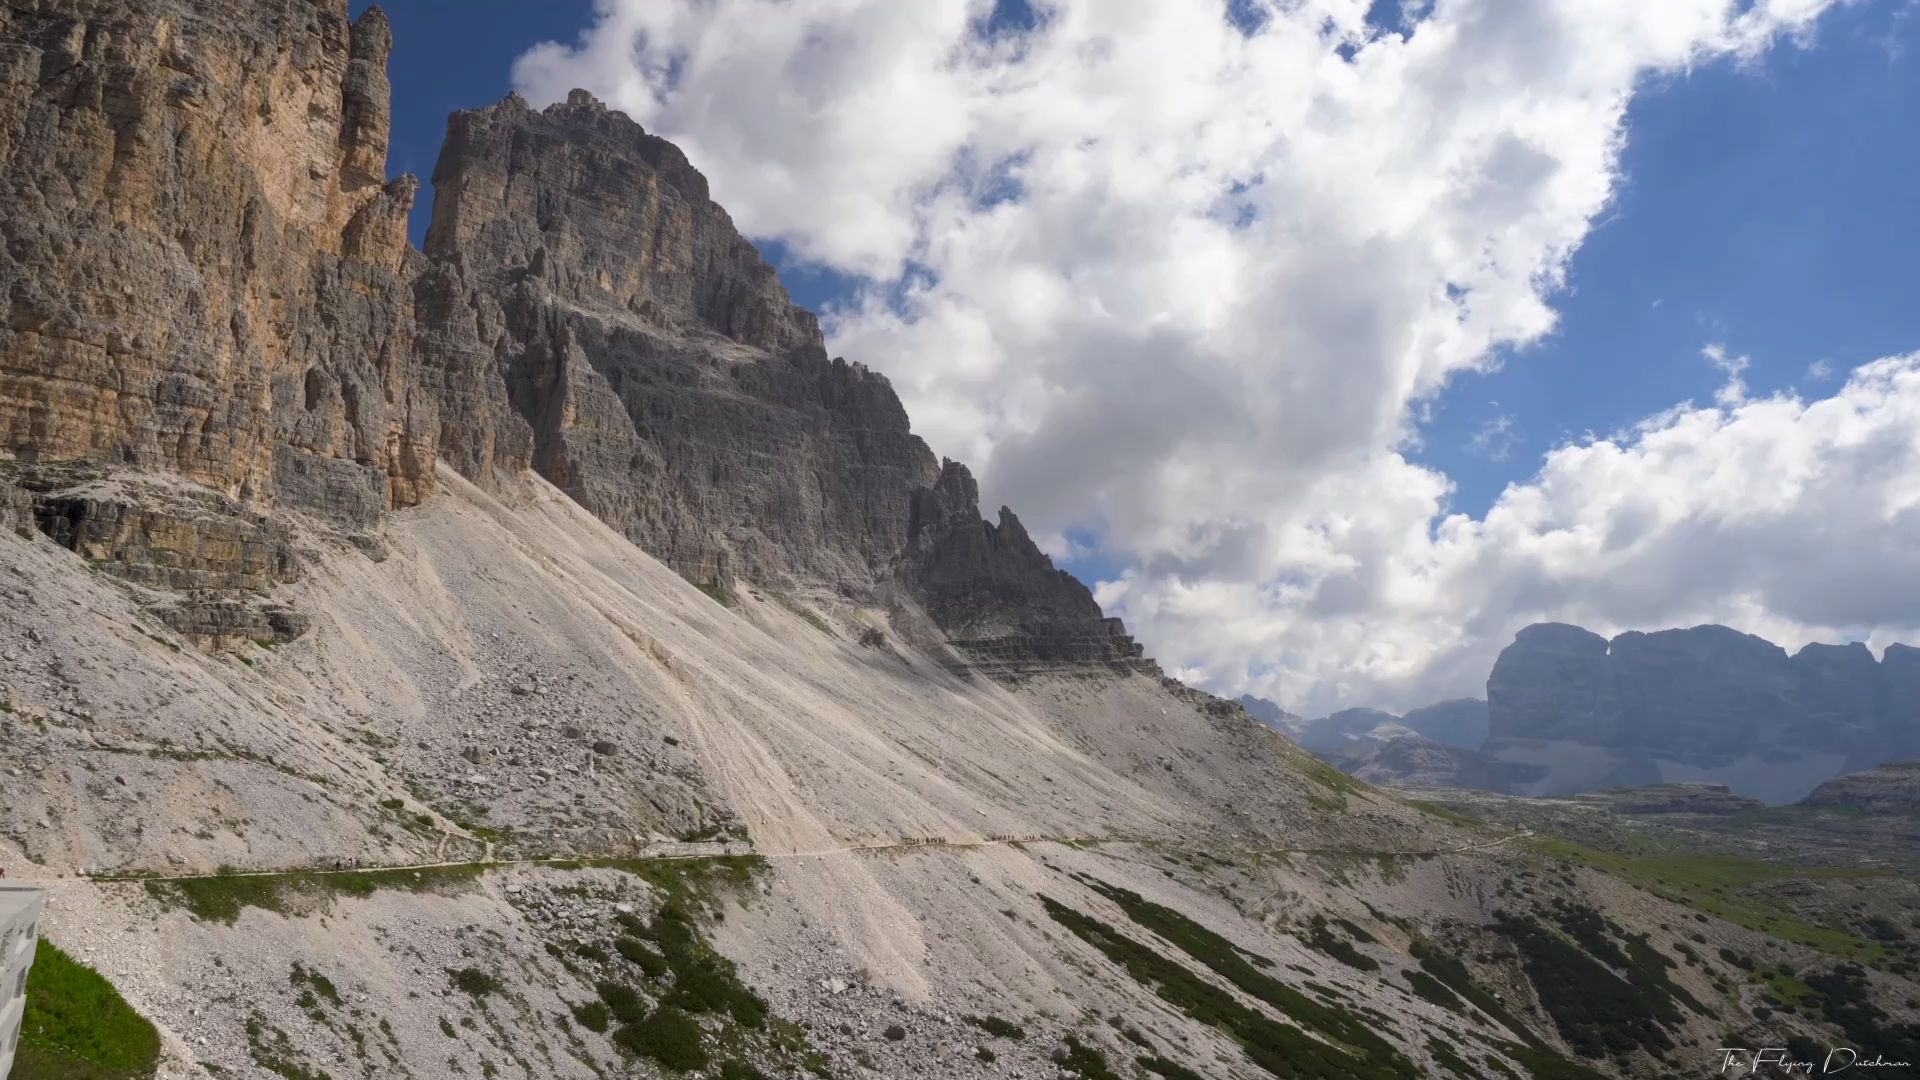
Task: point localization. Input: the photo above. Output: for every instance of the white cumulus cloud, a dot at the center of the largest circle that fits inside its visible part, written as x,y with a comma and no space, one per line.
1187,282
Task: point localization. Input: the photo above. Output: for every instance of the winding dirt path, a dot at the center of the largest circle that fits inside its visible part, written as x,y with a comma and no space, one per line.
671,855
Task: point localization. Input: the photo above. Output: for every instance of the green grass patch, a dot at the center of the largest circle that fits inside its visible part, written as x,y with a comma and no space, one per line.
1446,1057
593,1016
1172,1070
1449,971
1324,941
319,983
1088,1061
694,883
998,1028
474,982
716,592
222,897
1444,813
78,1027
1847,1000
651,963
1716,885
1431,989
272,1048
1333,780
805,613
669,1037
626,1005
1787,990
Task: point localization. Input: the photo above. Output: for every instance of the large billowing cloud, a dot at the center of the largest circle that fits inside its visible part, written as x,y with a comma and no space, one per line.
1181,275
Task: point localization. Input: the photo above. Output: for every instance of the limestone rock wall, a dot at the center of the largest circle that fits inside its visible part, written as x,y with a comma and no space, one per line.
1705,696
205,267
998,596
588,311
1554,682
1893,788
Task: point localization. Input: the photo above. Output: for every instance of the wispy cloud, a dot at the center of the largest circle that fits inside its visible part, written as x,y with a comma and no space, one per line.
1734,390
1494,439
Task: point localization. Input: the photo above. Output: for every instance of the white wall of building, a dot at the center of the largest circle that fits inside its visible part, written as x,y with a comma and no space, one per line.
19,932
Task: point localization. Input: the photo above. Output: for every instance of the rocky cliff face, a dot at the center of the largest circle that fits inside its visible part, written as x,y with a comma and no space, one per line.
998,596
1461,722
1554,682
205,264
1889,789
1271,714
1706,698
206,279
589,312
1414,761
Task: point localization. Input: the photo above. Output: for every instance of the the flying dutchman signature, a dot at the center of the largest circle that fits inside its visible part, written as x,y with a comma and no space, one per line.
1743,1061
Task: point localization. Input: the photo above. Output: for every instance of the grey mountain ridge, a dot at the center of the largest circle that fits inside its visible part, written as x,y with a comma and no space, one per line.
1568,710
1461,722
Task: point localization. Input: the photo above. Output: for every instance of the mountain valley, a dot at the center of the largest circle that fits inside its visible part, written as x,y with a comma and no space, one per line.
533,655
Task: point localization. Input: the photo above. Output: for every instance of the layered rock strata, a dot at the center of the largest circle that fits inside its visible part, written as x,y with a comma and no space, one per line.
1889,789
199,561
205,267
591,313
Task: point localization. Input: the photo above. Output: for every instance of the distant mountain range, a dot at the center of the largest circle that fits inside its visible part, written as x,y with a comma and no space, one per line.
1461,722
1568,710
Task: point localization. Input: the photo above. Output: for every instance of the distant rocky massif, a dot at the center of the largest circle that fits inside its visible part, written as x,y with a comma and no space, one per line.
1569,711
1893,788
1709,703
535,656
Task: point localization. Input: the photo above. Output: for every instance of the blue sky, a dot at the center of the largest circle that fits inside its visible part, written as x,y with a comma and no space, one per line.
1764,204
1770,209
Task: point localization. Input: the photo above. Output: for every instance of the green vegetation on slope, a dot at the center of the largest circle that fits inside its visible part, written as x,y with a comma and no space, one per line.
1087,1061
998,1027
668,1036
222,897
1447,969
695,883
1597,1011
1323,940
1333,780
1717,885
1171,1070
1540,1060
683,978
78,1027
703,980
1282,1049
1846,998
1641,964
